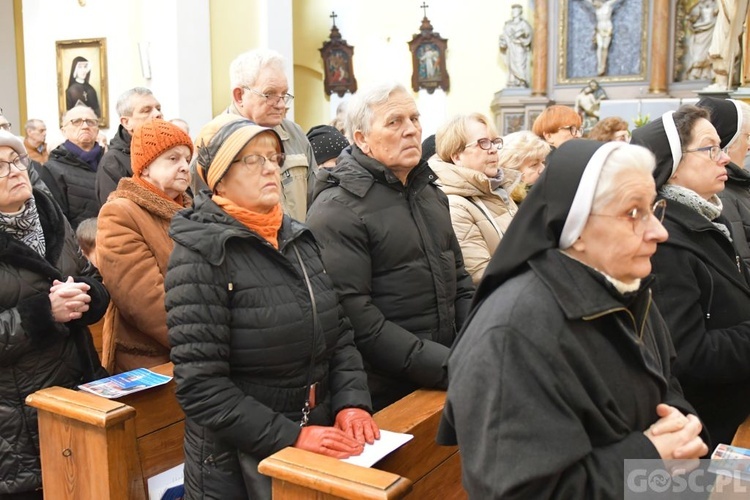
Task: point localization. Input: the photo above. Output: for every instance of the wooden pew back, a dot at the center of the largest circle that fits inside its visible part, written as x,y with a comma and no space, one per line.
96,448
419,469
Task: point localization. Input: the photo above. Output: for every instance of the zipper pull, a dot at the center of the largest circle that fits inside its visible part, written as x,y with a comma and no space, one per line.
739,266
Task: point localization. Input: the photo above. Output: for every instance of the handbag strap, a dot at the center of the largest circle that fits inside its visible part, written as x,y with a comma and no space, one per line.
478,203
306,408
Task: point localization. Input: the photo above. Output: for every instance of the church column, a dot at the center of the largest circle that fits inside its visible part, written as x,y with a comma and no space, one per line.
539,46
659,47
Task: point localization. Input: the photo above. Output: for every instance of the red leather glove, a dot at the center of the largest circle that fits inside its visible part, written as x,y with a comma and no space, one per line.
328,441
358,424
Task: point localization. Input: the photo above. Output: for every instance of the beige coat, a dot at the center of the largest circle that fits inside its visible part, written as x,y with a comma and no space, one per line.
133,249
479,216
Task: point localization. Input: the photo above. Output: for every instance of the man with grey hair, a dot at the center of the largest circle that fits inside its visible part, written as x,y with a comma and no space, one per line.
135,107
387,241
36,140
260,93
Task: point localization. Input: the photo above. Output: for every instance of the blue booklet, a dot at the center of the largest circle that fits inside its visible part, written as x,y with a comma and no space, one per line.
125,383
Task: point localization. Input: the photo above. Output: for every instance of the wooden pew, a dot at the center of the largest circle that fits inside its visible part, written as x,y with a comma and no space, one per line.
419,469
96,448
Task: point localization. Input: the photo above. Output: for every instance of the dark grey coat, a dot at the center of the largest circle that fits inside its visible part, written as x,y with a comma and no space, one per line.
736,201
554,381
395,261
702,290
241,328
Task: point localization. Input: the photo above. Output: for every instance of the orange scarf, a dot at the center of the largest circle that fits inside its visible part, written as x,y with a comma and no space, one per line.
180,200
266,225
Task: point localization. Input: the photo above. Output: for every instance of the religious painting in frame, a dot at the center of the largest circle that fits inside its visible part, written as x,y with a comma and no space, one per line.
82,76
602,39
428,51
337,65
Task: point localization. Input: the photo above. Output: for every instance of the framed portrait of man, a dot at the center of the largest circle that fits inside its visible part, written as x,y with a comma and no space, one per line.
82,76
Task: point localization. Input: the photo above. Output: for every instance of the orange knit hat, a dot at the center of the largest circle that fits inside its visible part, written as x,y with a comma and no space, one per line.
152,139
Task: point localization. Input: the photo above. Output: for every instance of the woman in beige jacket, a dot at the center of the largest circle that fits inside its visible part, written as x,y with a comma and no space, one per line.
467,165
133,246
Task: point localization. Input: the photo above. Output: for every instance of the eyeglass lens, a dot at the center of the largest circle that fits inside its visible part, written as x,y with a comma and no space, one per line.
20,162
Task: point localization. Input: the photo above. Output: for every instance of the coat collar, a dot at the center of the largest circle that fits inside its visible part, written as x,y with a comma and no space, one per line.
206,229
356,173
583,293
128,189
738,175
17,254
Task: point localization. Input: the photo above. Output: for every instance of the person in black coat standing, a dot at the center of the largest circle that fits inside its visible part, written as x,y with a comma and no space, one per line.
385,230
564,370
263,354
135,107
48,297
70,171
701,285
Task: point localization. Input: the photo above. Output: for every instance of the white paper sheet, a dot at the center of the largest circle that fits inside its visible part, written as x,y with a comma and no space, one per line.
388,442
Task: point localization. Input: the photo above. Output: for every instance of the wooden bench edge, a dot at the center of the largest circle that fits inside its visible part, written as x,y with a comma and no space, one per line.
331,476
80,406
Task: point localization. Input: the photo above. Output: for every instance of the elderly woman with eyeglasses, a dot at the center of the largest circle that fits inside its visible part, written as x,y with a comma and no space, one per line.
564,370
264,357
701,285
612,128
525,152
48,297
557,125
478,189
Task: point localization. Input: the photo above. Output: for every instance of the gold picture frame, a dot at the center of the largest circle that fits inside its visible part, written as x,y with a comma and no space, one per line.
563,52
82,76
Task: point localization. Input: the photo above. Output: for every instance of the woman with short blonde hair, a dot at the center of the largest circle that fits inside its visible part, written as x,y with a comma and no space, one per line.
467,166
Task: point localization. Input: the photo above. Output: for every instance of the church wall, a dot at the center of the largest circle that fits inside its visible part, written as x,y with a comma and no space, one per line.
177,34
380,31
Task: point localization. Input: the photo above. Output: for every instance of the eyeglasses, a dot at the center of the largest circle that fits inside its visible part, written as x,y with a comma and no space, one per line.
639,218
20,162
487,144
77,122
714,152
257,162
574,131
271,98
622,135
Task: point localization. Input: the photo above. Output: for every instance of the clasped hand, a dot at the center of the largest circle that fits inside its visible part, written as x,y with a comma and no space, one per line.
68,300
676,436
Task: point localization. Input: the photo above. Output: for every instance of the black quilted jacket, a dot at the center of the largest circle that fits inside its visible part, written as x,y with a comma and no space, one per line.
241,329
75,185
35,351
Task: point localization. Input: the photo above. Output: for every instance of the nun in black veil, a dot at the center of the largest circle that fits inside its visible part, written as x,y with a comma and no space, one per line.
564,369
701,285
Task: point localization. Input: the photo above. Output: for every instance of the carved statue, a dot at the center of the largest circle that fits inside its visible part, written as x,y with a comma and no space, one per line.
603,31
702,19
588,102
516,42
725,41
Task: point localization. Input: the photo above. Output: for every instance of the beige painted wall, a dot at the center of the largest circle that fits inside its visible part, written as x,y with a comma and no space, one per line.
379,32
232,33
